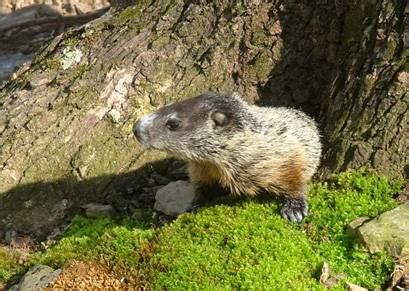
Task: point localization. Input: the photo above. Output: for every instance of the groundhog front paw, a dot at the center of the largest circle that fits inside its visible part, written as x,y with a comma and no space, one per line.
295,209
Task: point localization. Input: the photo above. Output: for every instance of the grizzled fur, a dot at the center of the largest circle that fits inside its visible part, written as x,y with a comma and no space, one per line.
241,147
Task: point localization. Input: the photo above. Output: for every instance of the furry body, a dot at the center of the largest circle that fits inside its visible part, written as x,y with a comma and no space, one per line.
244,148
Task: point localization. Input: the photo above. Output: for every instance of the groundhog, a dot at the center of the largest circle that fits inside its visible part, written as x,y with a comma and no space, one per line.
243,148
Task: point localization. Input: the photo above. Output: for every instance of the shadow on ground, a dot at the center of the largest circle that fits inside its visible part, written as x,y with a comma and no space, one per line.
40,208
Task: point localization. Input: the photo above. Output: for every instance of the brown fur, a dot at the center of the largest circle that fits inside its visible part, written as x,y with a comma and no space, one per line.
205,172
288,181
291,177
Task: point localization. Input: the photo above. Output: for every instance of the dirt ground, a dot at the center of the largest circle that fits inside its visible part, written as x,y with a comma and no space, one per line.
91,276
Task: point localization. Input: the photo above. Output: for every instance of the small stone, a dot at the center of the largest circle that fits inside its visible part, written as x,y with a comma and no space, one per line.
353,287
37,278
403,195
389,231
403,77
327,279
354,225
175,198
95,210
324,273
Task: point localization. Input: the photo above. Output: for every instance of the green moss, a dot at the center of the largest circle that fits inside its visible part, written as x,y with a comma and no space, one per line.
259,67
240,246
72,42
132,12
350,195
160,42
113,241
78,72
242,243
51,63
8,264
128,14
83,97
250,245
336,203
9,85
259,36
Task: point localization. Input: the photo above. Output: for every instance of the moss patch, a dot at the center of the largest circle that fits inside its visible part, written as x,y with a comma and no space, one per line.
113,241
240,243
336,203
241,246
133,12
8,265
248,245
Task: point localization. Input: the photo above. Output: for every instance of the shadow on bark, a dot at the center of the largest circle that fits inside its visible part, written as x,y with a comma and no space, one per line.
301,78
311,44
344,64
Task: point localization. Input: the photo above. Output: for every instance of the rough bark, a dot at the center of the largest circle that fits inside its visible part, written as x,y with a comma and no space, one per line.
346,64
365,119
66,120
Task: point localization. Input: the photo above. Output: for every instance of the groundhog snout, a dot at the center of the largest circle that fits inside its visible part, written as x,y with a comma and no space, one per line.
141,129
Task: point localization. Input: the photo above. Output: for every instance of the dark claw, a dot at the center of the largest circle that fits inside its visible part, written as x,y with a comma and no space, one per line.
294,209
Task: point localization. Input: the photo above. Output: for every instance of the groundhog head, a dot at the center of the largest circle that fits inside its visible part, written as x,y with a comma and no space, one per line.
193,128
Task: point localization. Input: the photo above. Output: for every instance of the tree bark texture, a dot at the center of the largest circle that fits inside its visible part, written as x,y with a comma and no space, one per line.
66,119
365,117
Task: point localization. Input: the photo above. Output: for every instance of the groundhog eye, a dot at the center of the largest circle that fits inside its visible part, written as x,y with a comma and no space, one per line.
173,124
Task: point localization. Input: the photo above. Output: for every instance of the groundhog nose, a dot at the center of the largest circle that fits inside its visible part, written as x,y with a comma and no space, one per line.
142,128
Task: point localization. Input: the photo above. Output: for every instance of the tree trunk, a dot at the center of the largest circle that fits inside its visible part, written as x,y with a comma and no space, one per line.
65,121
365,117
351,72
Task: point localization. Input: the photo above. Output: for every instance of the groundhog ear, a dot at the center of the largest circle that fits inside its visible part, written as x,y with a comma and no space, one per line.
220,119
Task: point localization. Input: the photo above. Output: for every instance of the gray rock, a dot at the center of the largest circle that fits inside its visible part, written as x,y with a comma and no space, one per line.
389,231
37,278
353,287
95,210
175,198
353,226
